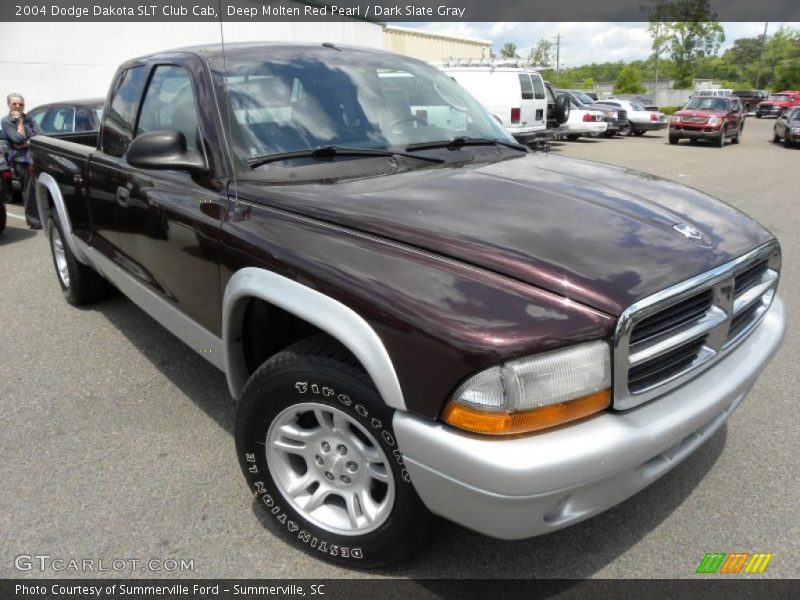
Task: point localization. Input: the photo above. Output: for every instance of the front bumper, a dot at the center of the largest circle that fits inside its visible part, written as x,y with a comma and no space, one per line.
534,137
772,111
700,132
531,485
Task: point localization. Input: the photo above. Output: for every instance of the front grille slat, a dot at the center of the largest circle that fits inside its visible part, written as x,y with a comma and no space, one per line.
675,315
669,337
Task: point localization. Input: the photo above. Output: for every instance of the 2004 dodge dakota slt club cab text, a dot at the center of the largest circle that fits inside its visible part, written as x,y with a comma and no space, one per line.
415,314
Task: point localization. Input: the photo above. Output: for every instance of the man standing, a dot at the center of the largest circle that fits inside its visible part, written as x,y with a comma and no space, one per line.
18,129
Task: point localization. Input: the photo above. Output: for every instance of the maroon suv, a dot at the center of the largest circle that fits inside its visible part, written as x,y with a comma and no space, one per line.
712,118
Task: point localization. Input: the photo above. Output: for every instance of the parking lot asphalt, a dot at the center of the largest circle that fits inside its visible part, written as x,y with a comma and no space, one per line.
116,439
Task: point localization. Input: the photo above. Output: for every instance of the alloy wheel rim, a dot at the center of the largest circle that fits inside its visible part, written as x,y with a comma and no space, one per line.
61,257
330,468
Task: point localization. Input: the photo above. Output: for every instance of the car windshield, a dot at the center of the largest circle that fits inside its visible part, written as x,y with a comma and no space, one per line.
585,98
704,103
295,99
780,98
794,115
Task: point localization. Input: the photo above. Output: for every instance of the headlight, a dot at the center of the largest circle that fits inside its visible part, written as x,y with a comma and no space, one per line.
533,393
675,118
614,115
795,129
714,121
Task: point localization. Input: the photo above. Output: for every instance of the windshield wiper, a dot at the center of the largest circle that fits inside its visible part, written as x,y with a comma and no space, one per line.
328,152
459,142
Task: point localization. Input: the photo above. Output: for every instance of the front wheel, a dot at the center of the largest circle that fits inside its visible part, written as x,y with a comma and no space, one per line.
775,137
3,216
787,141
722,135
573,136
316,445
638,132
674,139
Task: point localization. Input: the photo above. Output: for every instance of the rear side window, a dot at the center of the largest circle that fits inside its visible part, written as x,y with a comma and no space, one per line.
58,119
527,86
117,128
538,87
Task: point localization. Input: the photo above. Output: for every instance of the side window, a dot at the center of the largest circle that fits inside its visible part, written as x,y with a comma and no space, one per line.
169,104
551,99
538,87
37,118
117,130
527,87
85,120
60,120
735,105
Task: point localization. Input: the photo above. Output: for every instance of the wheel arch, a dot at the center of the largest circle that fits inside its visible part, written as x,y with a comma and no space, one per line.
320,311
49,199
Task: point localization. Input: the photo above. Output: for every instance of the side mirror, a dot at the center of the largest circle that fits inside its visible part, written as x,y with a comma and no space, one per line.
164,150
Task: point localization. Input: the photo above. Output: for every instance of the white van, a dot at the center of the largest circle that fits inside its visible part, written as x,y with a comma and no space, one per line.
514,95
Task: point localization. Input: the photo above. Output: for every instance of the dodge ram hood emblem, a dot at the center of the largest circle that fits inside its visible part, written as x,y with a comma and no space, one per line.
687,231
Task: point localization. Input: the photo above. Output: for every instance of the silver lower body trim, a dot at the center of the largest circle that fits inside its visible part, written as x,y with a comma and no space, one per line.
191,333
527,486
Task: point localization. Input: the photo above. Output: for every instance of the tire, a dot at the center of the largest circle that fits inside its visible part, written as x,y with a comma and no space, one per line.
722,134
674,139
738,137
775,137
563,108
573,136
747,107
311,428
81,284
625,129
693,140
638,132
758,116
787,141
3,217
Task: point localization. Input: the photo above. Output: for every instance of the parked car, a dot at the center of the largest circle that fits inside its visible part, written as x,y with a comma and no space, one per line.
750,98
787,127
583,120
414,313
73,116
615,118
777,103
640,120
516,96
645,101
712,118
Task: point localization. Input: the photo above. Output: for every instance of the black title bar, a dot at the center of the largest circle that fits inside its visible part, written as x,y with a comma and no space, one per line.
385,10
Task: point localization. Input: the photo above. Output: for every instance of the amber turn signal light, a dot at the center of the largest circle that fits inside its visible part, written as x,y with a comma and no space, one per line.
509,423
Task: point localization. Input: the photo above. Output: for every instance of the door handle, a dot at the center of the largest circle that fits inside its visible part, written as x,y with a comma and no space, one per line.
123,195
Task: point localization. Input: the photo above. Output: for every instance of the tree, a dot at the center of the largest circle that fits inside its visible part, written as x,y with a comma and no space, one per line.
629,81
509,50
690,30
542,53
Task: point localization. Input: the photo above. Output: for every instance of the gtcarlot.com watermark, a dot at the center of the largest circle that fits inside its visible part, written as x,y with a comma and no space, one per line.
44,563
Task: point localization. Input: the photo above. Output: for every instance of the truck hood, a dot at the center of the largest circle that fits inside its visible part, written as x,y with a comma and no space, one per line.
593,233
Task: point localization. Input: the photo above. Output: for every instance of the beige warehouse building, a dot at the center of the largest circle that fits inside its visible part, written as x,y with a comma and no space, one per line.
433,47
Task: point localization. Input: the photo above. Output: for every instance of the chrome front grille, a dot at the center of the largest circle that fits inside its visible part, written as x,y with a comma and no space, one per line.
694,119
672,336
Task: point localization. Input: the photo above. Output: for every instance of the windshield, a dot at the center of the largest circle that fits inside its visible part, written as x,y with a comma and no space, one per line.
794,115
706,104
294,99
585,98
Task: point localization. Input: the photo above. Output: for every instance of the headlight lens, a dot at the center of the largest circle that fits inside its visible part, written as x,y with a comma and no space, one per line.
535,392
714,121
675,118
795,129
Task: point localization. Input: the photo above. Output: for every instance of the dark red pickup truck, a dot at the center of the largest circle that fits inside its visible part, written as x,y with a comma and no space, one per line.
415,314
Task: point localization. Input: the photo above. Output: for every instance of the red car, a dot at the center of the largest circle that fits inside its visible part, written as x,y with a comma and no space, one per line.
714,118
776,104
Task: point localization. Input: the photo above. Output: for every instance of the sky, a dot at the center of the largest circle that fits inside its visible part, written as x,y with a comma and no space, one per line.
583,43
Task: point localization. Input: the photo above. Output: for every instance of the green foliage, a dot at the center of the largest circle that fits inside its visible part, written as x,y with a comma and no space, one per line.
629,81
588,84
668,110
542,53
509,50
689,31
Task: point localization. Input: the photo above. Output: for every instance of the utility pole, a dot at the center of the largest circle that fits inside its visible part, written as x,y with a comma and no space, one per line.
761,56
658,51
558,56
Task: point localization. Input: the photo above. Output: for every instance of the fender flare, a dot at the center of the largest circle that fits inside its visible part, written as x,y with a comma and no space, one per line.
45,183
329,315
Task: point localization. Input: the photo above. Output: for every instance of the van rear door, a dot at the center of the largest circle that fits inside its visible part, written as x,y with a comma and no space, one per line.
533,102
